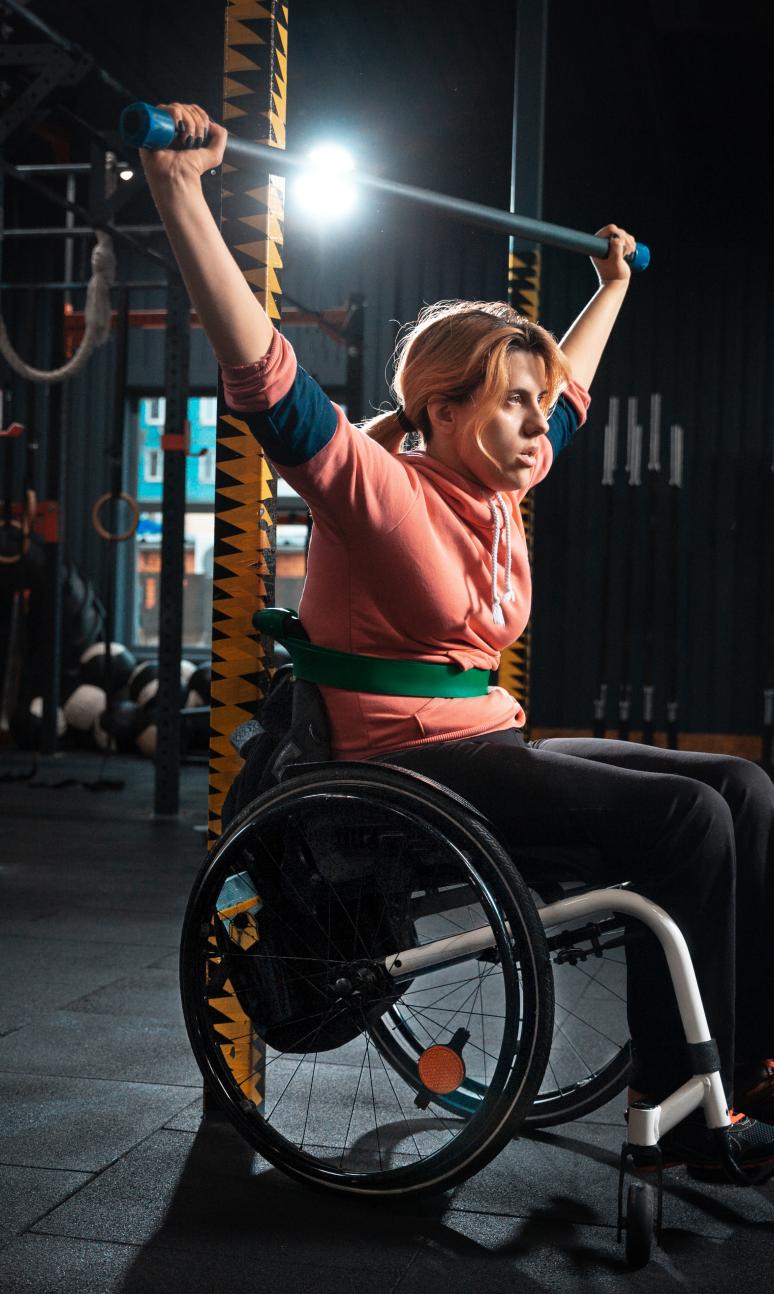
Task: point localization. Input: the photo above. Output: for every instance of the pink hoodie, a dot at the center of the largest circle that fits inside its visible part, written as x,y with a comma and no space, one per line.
408,559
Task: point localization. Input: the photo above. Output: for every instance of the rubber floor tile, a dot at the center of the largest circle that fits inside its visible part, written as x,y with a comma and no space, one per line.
42,1265
585,1178
210,1194
503,1255
150,995
570,1175
72,1044
105,876
112,925
27,1194
52,1265
39,975
81,1124
191,1117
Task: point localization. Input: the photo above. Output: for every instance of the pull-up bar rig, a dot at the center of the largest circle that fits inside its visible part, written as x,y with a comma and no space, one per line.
144,126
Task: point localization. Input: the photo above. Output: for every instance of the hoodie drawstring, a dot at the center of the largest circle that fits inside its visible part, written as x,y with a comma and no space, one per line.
508,595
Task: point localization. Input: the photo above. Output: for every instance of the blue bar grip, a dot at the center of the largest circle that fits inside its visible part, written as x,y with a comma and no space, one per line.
639,259
143,126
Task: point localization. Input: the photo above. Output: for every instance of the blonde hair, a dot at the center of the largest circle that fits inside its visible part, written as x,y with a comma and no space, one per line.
455,350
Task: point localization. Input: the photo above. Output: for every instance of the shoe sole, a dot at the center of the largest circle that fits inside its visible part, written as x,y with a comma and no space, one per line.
716,1173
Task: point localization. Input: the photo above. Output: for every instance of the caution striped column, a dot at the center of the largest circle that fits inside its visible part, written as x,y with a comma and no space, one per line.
524,296
254,101
254,105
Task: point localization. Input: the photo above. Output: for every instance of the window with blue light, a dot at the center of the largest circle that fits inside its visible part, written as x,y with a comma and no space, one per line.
292,535
199,522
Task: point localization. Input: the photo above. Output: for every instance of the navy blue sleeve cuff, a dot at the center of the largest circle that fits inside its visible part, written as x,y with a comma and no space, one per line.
298,426
562,425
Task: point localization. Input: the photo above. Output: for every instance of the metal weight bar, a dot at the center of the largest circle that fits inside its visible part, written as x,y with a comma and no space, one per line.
634,473
676,466
143,126
166,802
649,597
81,231
57,405
609,466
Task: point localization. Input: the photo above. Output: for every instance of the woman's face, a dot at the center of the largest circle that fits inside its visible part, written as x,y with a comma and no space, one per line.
509,437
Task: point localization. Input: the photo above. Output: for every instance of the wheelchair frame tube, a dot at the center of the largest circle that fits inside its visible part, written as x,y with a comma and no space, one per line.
702,1089
439,952
403,965
648,1125
668,933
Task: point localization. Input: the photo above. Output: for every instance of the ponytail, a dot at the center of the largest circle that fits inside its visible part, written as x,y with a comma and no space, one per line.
386,430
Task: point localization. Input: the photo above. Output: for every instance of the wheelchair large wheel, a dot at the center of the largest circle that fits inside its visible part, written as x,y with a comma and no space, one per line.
344,895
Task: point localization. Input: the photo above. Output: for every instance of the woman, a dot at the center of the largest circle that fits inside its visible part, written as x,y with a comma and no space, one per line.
421,557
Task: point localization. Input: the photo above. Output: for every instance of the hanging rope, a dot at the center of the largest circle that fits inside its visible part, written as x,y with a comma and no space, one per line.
97,315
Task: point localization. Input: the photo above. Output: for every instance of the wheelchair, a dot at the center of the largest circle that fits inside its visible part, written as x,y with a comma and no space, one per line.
380,996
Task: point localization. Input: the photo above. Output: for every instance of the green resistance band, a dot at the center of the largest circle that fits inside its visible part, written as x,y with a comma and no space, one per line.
355,673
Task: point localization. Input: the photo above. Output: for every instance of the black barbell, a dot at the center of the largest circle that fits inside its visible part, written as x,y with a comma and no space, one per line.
144,126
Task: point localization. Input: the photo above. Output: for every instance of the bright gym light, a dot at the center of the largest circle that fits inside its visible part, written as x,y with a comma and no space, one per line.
324,190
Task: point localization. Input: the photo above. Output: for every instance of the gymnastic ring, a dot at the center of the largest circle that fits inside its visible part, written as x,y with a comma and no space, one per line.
120,535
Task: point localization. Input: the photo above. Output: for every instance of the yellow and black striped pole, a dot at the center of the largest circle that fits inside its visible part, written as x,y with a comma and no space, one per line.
524,296
252,213
524,258
253,204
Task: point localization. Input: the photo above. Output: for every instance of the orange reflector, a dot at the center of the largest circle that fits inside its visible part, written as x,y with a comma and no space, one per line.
441,1069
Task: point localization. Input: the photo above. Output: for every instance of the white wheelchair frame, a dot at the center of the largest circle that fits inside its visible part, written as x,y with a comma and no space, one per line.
647,1123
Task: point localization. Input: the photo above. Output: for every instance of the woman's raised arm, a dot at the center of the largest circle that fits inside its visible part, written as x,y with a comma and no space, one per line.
239,330
585,340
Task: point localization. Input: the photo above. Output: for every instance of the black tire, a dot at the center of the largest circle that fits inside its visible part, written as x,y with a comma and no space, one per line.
335,833
639,1224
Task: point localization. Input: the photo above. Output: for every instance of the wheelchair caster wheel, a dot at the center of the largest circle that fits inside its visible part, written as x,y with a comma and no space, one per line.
639,1224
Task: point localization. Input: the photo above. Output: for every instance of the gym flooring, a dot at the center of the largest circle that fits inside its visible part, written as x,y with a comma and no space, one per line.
110,1180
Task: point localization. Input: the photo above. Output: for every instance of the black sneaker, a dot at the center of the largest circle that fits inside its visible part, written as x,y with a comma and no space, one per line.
754,1090
692,1144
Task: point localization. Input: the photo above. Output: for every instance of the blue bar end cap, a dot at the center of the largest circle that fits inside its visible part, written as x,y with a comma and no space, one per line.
639,258
143,126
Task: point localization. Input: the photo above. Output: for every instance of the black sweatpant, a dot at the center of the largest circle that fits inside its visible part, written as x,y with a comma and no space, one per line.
694,832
